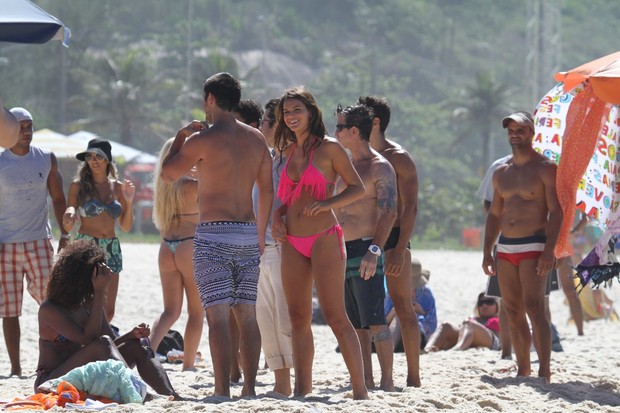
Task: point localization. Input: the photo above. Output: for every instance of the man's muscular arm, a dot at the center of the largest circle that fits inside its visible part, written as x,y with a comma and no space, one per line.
546,262
492,227
385,187
178,161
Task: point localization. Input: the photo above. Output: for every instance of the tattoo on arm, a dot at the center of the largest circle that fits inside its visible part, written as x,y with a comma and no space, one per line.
386,195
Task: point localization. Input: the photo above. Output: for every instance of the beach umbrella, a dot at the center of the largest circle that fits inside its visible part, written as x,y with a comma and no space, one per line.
578,126
21,21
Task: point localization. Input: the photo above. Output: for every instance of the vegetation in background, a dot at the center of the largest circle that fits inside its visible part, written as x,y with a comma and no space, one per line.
135,69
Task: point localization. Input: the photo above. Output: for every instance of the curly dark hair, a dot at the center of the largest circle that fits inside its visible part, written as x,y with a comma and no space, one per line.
70,284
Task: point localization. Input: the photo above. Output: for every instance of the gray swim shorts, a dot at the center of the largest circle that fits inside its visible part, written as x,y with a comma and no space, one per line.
226,262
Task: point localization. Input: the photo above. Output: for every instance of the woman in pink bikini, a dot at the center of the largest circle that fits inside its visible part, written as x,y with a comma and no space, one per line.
311,239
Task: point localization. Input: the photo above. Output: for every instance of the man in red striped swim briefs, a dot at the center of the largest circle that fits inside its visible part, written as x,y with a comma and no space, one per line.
526,211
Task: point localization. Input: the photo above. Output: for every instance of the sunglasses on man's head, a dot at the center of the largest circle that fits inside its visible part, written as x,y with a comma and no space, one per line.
341,126
486,301
90,156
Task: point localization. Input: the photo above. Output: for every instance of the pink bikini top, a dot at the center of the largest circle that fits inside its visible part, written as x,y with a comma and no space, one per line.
311,179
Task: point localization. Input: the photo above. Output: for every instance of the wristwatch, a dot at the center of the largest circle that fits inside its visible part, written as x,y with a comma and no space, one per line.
375,249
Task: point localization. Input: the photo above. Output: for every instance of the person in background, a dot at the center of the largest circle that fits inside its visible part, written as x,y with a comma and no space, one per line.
27,175
73,330
526,212
250,113
424,308
479,330
175,214
308,231
98,199
271,308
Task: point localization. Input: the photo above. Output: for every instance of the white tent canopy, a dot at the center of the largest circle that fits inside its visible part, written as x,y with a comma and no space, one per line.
120,152
57,143
68,146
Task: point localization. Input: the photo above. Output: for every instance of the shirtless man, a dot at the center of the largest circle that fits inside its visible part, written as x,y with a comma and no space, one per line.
366,224
526,211
230,157
397,248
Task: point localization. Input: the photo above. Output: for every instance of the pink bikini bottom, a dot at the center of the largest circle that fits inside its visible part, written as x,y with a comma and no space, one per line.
304,245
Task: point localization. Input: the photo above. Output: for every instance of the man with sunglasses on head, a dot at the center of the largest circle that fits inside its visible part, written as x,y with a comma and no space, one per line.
27,175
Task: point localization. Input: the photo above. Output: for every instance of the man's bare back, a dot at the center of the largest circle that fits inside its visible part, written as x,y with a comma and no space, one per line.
231,157
228,157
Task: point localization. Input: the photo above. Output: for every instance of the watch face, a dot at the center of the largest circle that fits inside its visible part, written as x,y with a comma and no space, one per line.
375,249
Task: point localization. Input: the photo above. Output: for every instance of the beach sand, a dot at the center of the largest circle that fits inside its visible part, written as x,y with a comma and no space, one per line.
586,376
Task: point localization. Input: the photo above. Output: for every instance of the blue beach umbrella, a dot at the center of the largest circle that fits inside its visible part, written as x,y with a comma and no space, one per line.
21,21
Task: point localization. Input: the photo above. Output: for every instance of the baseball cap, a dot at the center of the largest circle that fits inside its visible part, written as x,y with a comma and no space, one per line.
21,114
519,117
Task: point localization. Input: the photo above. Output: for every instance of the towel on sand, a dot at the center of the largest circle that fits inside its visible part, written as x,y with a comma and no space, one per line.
110,379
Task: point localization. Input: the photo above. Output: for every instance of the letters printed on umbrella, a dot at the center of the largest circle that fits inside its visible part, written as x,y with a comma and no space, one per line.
578,126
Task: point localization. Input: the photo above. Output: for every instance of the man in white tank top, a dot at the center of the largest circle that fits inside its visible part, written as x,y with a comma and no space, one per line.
27,175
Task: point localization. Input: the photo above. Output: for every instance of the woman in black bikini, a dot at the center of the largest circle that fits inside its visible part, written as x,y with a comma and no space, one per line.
175,213
479,330
73,330
97,199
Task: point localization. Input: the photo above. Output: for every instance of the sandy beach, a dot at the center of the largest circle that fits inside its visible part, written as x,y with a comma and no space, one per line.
586,376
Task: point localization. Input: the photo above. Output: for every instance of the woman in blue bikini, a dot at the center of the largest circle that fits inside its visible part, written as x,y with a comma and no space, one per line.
97,199
175,213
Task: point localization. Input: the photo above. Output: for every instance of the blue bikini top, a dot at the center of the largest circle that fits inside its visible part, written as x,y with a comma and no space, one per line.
94,207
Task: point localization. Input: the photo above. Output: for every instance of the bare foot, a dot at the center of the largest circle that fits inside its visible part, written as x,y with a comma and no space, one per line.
235,376
545,374
362,395
389,386
414,382
248,392
283,390
524,371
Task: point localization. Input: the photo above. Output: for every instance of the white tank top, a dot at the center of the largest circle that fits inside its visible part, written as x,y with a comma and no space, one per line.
23,195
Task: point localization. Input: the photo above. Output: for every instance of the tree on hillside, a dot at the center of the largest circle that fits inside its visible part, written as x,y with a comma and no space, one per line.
484,103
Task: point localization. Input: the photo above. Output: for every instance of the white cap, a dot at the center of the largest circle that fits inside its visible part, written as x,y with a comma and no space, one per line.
519,117
21,114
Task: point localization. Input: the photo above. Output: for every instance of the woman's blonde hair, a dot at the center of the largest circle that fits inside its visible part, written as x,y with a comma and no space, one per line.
167,197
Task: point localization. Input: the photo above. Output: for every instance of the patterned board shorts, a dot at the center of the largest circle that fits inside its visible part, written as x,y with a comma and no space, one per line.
112,248
226,262
33,259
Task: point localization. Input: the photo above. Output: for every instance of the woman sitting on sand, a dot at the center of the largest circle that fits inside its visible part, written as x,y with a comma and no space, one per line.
98,200
480,330
73,330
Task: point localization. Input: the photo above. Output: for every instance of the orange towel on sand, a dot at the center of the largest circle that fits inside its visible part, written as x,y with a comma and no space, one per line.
65,393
